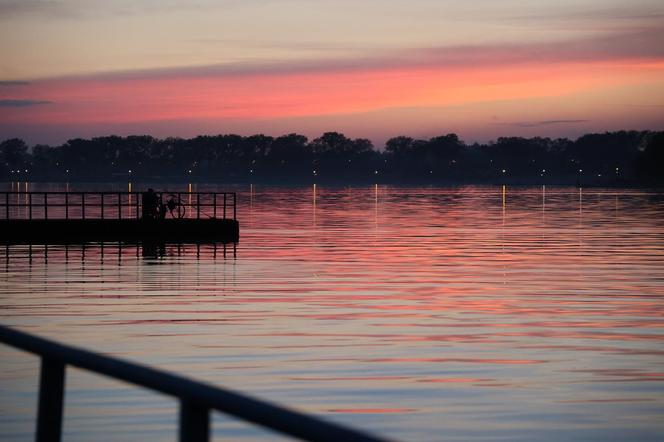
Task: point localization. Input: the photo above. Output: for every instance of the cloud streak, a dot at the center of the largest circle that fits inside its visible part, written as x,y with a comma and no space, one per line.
624,46
12,8
546,123
22,103
87,8
13,83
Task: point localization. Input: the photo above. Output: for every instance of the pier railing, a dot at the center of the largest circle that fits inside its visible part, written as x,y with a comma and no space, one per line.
196,399
114,205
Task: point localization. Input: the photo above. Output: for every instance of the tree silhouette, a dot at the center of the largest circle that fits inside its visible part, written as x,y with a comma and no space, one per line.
650,164
13,154
615,157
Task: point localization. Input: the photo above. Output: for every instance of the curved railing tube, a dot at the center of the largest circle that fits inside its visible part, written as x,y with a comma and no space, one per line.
196,398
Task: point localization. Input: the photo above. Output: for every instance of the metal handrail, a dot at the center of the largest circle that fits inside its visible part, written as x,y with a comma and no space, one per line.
196,398
216,204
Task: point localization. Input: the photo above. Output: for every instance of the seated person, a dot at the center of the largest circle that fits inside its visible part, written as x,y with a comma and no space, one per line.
150,205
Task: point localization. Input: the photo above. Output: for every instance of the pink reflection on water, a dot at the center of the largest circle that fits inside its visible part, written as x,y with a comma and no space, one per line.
441,307
453,380
350,378
433,360
606,401
372,410
624,375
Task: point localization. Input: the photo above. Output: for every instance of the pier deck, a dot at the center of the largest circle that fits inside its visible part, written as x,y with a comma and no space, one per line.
56,217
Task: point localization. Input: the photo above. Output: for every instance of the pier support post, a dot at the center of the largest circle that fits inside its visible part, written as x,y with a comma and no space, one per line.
51,395
194,422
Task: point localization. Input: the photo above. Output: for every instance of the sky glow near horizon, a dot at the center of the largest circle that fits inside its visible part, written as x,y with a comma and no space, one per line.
375,69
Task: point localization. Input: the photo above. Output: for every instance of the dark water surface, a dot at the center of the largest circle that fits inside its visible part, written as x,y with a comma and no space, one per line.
469,313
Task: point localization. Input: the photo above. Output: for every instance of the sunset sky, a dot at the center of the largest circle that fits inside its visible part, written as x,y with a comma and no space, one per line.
370,68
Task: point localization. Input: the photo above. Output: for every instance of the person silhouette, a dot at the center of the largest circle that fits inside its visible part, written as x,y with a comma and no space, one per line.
171,204
150,203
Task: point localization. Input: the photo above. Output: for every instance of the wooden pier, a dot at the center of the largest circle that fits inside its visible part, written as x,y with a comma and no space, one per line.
62,217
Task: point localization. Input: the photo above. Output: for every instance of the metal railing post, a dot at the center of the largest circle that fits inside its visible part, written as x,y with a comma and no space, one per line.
82,205
234,205
51,395
198,206
67,205
138,215
45,206
102,205
224,205
7,205
194,422
214,204
197,399
120,206
30,205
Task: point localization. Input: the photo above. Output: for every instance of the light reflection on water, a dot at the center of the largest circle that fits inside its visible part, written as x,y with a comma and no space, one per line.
417,313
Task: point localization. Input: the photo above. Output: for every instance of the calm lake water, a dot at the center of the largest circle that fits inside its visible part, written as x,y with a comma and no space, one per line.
423,314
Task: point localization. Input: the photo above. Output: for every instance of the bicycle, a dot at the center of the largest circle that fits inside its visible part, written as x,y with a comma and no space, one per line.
175,206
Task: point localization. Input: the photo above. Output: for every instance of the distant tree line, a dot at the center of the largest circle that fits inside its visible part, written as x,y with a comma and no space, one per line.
625,157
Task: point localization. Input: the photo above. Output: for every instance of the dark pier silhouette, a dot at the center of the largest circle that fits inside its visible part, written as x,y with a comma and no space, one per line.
64,217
